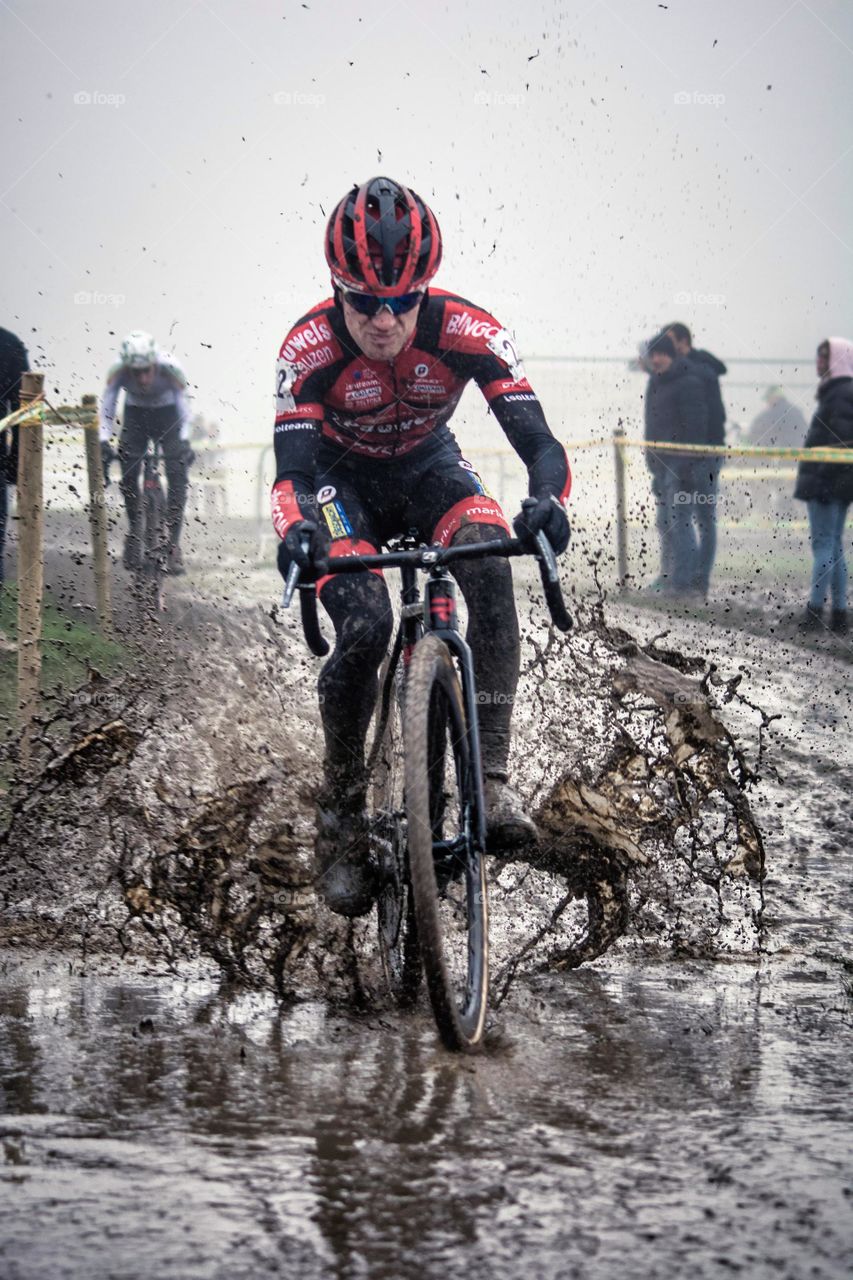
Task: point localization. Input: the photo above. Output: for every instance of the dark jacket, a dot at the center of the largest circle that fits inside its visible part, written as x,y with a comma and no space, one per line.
831,427
711,370
676,411
13,363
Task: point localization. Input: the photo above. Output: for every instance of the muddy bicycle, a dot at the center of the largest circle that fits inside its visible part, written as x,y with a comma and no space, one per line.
427,819
150,576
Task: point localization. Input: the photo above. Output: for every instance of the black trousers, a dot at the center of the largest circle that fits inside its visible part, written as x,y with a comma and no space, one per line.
142,425
4,511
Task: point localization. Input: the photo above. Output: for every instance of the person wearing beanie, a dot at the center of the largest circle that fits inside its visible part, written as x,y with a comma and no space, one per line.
707,469
676,412
827,487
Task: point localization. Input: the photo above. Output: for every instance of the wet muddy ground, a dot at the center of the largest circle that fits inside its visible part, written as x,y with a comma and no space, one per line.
678,1106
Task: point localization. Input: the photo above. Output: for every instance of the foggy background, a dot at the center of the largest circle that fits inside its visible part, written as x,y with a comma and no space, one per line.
597,168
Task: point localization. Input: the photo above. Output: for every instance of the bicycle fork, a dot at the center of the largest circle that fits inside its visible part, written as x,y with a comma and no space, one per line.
441,617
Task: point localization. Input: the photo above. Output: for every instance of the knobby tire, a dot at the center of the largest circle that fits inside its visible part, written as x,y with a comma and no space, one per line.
434,705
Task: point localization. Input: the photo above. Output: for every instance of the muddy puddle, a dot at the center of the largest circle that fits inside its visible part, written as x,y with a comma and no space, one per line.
665,1087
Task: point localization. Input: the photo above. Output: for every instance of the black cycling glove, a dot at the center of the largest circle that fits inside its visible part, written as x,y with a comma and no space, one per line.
312,561
549,515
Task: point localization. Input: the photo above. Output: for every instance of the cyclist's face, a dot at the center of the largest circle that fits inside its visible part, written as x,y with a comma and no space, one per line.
144,377
383,336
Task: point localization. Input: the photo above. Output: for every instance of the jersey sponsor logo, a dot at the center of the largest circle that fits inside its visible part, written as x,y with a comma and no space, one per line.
463,324
520,395
301,341
326,494
502,345
430,389
285,507
302,425
336,519
370,394
315,359
421,370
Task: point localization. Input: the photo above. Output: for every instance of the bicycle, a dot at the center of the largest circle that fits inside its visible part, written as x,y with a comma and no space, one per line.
428,822
154,534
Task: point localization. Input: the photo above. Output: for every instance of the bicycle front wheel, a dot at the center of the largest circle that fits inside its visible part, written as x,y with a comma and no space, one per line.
398,944
445,864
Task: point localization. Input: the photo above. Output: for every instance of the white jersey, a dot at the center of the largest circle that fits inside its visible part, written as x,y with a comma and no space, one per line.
168,387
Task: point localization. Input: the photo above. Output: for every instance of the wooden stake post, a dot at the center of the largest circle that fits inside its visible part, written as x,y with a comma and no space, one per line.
98,520
621,511
30,563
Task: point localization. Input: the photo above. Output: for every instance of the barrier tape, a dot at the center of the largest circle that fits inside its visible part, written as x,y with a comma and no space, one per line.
40,413
740,451
78,415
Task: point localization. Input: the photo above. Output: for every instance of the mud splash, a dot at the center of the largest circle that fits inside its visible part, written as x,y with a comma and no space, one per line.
171,813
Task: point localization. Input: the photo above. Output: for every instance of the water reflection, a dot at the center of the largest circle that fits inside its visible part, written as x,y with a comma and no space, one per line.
613,1108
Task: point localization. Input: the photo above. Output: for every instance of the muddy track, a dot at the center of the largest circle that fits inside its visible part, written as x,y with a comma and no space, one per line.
171,809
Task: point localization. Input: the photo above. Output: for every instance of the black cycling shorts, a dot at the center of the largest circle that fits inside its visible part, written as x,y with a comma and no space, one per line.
431,493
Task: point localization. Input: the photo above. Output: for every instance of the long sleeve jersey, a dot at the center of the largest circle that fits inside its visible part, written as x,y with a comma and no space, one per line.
328,390
169,387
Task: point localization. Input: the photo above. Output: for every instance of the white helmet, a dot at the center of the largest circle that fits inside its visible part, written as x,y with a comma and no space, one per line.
138,351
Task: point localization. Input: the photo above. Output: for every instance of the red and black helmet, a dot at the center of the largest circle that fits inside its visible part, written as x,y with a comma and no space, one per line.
382,239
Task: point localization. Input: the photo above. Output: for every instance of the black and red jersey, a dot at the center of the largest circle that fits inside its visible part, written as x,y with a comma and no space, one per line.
328,391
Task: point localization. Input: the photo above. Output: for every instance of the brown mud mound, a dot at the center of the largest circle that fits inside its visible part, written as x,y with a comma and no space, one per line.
180,823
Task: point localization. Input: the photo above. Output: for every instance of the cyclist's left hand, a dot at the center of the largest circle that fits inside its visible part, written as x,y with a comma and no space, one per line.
549,515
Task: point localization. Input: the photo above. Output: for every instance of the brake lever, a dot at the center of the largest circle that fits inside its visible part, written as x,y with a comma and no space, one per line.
546,557
291,582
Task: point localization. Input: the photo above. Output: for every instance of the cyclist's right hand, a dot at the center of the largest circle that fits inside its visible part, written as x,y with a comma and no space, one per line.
313,559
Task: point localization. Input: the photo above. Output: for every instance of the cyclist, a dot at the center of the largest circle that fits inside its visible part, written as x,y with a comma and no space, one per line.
155,409
367,381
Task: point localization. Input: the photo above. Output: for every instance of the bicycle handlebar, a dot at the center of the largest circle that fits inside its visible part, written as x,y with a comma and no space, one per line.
429,558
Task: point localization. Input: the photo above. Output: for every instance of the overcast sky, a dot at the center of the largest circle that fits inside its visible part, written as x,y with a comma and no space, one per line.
597,168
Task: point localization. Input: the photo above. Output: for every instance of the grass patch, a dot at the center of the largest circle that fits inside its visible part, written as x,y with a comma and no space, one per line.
69,648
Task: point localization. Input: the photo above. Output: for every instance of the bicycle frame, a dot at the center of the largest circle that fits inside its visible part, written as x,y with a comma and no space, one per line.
440,617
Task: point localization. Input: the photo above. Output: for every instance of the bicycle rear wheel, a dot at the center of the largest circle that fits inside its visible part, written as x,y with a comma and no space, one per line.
154,546
398,943
441,796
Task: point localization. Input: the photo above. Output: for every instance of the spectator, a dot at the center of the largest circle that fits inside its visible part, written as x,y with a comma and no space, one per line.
780,426
707,471
827,487
676,412
13,364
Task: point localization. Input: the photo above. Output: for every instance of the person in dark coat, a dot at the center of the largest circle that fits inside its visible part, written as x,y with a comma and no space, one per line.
13,363
707,470
676,412
827,487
